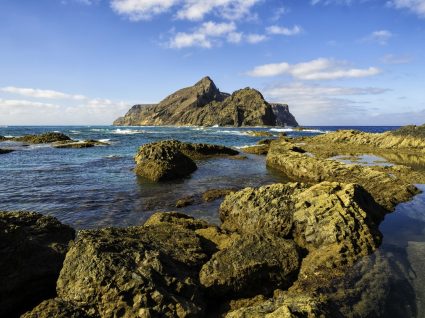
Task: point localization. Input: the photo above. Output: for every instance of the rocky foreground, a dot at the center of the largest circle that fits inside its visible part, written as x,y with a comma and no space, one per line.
300,249
204,105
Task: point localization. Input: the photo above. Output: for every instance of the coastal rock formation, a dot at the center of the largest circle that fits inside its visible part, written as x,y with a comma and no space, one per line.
411,131
32,250
148,271
56,308
5,151
252,265
387,190
45,138
172,159
204,105
79,144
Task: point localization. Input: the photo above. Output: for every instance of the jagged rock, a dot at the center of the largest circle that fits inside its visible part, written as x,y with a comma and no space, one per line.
42,138
250,266
259,133
386,189
186,201
214,194
5,151
145,271
32,249
411,131
172,159
268,209
257,149
204,105
56,308
79,144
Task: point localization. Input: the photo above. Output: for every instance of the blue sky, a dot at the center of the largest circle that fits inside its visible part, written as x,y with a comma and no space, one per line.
335,62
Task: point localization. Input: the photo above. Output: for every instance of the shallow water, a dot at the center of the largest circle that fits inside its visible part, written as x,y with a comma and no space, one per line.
363,160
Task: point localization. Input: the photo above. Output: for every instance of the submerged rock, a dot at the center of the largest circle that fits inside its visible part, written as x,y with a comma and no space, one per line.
32,250
79,144
42,138
5,151
252,265
145,271
172,159
214,194
186,201
204,105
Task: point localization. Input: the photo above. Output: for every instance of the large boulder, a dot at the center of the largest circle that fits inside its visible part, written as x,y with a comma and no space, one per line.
56,308
172,159
252,265
32,250
145,271
268,209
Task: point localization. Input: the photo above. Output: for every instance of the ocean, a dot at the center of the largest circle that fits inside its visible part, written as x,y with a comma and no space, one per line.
95,187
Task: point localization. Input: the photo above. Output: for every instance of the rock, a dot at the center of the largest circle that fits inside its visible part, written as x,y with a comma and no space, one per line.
250,266
268,210
5,151
259,133
172,159
214,194
186,201
161,161
79,144
146,271
386,189
265,142
204,105
42,138
257,149
56,308
32,250
410,131
283,116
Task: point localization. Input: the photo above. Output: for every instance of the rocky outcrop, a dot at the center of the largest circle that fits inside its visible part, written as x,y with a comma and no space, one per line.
388,190
45,138
32,250
56,308
79,144
149,271
410,131
204,105
172,159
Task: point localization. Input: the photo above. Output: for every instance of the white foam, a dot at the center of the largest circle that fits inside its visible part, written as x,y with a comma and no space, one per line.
127,131
104,140
315,131
233,132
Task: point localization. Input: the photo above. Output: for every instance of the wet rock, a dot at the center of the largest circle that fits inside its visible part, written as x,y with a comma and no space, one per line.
172,159
259,133
161,161
214,194
386,189
5,151
257,149
56,308
79,144
32,250
268,209
147,271
250,266
186,201
42,138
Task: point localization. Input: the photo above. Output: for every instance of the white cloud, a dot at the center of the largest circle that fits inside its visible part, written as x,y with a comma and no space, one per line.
192,10
234,37
275,29
204,36
255,38
137,10
40,93
415,6
318,69
381,37
324,105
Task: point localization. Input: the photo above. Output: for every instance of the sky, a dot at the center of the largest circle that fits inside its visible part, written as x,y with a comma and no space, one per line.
335,62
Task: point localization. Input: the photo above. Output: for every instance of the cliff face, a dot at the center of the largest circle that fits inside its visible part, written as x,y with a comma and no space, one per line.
204,105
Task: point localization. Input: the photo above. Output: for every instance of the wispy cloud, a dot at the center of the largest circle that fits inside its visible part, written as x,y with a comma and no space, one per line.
318,69
415,6
380,36
275,29
193,10
396,59
40,93
255,38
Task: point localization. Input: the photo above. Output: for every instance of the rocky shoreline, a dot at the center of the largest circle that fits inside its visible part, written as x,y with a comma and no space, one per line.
306,248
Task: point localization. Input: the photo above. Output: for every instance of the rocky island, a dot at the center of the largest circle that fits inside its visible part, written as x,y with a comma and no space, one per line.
204,105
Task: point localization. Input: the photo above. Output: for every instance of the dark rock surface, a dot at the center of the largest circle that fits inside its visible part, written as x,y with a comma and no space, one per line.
172,159
204,105
32,250
5,151
56,308
45,138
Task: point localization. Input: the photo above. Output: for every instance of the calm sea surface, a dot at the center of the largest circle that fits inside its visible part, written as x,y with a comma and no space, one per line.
96,187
